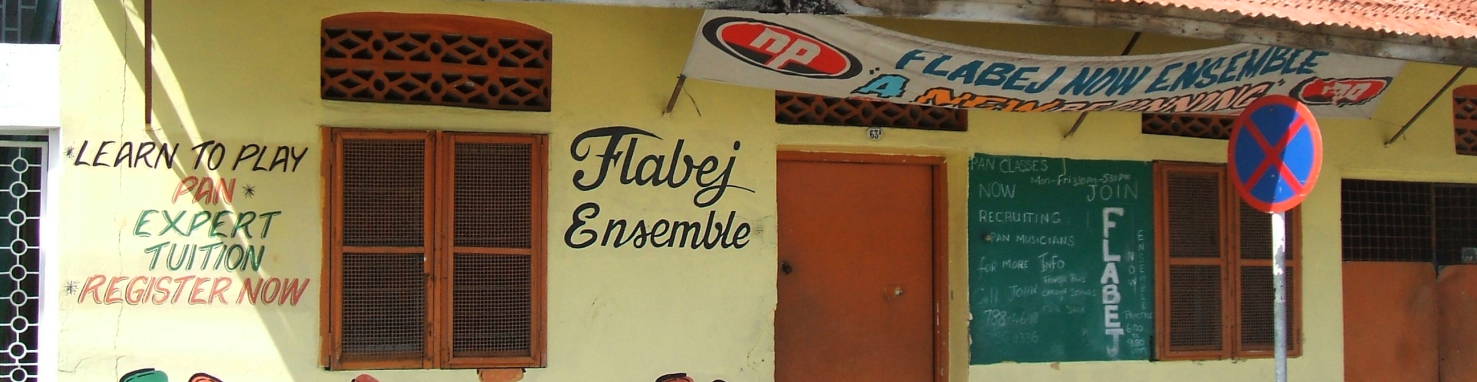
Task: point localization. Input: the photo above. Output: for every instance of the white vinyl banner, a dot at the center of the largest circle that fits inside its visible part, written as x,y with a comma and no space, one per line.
840,57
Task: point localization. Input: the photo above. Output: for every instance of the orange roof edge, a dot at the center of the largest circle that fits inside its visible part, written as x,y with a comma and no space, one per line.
1447,19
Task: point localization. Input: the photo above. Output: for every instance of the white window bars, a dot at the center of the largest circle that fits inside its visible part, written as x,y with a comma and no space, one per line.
21,174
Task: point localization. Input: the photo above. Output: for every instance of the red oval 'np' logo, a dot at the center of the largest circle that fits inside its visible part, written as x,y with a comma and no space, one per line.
780,48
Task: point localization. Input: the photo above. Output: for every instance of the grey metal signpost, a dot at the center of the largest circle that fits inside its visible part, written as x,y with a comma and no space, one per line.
1279,296
1274,157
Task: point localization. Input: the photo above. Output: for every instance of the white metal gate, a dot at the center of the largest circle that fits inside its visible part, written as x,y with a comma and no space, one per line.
21,175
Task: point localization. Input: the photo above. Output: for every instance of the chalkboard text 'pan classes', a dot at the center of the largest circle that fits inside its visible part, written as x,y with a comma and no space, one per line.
1011,165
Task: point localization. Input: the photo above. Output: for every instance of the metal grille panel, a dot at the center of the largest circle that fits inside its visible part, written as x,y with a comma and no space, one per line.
1386,221
384,192
1195,307
1456,221
1194,214
807,109
21,173
1464,119
384,302
1187,125
492,305
1257,332
493,191
1256,233
28,21
399,58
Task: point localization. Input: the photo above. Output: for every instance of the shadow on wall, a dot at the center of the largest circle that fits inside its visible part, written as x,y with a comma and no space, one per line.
212,264
206,219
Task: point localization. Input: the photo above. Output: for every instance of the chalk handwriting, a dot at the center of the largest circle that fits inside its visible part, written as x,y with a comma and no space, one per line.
1113,327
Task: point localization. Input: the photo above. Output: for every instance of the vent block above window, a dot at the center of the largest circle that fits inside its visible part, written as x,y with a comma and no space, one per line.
444,60
1188,125
808,109
1464,119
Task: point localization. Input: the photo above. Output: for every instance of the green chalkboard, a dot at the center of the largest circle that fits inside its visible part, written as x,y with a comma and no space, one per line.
1047,283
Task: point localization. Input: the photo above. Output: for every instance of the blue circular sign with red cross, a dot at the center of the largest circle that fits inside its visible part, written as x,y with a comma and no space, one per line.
1275,153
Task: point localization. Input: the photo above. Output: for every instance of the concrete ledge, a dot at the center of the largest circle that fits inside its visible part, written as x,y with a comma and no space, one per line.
29,85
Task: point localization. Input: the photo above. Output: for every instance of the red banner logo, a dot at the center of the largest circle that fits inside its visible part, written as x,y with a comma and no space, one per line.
780,48
1340,91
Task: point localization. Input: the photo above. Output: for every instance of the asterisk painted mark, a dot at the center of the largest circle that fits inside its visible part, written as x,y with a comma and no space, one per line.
71,288
250,191
69,151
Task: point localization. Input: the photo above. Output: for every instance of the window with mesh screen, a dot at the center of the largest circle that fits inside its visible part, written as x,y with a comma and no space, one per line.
1456,223
809,109
434,260
1409,222
1187,125
1254,273
29,22
1386,221
1214,263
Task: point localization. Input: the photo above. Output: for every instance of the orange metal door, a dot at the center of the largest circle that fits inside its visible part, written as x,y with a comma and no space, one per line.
1390,325
856,272
1457,294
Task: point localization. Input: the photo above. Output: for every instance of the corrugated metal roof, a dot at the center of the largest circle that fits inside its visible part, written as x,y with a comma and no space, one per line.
1433,18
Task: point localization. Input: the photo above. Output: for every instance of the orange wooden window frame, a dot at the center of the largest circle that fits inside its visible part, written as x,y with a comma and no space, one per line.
439,217
1230,263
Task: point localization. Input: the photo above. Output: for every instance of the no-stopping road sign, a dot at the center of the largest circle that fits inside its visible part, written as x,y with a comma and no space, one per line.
1275,153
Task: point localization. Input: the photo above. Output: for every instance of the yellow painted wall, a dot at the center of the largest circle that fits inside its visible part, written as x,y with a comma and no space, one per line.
246,73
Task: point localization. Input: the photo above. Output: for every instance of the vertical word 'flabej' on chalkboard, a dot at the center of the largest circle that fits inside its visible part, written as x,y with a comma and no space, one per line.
1060,259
